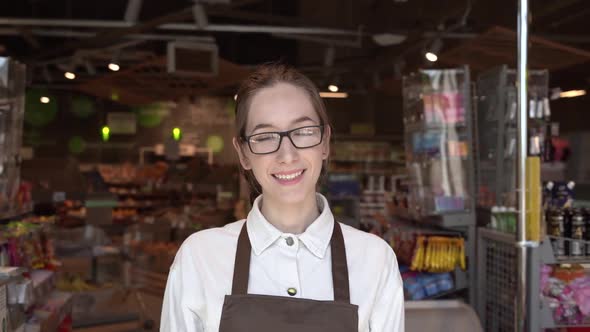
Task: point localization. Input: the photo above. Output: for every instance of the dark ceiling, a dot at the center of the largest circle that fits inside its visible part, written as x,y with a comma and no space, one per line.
51,46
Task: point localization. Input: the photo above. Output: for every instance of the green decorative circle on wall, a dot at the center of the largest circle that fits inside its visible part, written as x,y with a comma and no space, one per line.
150,116
215,143
76,145
38,113
82,107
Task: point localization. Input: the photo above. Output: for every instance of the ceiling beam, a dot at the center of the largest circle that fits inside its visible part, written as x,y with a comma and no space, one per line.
126,28
111,36
267,18
551,8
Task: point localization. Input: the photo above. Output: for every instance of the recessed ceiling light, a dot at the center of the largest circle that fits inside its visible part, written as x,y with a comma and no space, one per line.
114,67
388,39
333,88
45,100
572,93
69,75
431,57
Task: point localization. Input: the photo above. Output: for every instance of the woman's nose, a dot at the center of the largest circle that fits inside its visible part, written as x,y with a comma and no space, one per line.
287,151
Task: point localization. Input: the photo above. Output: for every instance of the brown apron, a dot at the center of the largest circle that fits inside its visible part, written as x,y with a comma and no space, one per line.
262,313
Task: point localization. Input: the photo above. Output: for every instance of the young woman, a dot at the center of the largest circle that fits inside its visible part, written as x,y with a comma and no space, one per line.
289,266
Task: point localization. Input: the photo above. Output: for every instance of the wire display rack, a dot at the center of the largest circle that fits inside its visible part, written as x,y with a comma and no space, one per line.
497,281
496,271
438,128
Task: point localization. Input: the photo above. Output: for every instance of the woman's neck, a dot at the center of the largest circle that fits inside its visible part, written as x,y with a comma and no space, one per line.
290,218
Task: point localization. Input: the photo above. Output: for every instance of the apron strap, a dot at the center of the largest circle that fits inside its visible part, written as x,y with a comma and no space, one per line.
339,264
242,263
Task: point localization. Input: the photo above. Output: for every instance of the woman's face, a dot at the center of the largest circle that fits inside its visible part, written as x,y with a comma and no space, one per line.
290,174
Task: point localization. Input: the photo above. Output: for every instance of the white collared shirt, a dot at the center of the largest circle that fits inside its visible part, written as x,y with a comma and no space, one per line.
202,272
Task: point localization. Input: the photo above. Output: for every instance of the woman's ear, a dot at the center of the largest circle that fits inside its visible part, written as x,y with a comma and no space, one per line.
244,161
326,143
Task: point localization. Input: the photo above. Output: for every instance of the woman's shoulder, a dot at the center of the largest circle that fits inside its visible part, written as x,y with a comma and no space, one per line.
209,245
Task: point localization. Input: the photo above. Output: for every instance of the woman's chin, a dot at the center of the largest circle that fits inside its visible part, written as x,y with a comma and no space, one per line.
291,197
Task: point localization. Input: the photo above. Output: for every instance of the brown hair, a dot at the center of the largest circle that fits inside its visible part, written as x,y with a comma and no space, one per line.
265,76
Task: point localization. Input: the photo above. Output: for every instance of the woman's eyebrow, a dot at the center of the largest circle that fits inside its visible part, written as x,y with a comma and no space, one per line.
302,119
296,121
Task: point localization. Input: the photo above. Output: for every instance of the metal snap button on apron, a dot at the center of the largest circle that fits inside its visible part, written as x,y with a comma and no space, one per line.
292,291
289,241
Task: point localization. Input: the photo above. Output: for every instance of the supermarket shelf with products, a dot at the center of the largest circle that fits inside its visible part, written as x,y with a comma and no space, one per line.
432,260
29,274
559,283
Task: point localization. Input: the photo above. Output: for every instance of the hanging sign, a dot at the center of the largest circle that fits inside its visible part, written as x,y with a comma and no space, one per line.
122,123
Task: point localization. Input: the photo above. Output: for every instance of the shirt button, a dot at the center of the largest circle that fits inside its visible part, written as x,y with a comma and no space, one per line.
292,291
289,241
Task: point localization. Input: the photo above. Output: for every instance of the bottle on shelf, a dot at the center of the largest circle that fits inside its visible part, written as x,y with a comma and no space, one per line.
586,214
577,247
556,228
567,228
534,143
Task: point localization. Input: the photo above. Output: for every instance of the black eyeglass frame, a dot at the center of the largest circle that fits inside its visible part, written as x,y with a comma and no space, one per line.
283,134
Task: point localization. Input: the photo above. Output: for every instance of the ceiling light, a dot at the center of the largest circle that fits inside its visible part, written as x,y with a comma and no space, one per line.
432,52
333,94
235,97
431,57
69,75
388,39
45,100
114,67
572,93
333,88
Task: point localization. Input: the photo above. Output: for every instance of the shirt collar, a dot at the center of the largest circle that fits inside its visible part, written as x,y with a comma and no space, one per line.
316,237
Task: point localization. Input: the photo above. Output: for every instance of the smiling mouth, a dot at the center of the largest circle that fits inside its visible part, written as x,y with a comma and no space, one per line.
288,177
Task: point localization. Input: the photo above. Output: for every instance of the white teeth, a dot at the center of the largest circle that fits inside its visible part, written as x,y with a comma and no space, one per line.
288,177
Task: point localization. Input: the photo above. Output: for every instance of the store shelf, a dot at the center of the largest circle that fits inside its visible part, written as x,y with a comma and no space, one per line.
497,235
448,220
139,196
43,283
548,256
52,311
5,219
369,161
372,138
413,127
445,293
123,184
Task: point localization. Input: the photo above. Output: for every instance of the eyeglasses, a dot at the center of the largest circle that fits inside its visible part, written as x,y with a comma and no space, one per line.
301,138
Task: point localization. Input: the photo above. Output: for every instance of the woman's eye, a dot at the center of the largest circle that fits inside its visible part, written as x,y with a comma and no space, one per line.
305,132
262,138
